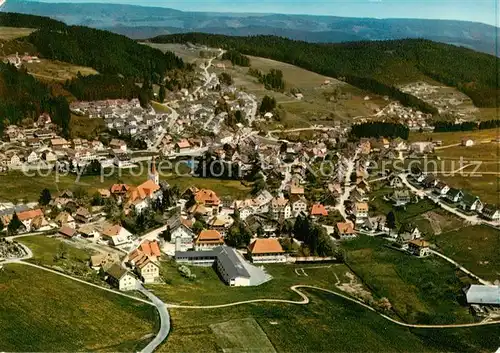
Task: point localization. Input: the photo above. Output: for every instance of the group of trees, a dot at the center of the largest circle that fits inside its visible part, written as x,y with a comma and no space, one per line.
226,79
267,105
238,234
380,129
273,80
236,58
313,236
445,126
23,97
373,65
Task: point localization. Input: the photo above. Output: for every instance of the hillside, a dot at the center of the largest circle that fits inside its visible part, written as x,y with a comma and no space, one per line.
376,66
143,22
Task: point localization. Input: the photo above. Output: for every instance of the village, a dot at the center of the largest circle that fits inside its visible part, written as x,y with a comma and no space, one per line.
308,197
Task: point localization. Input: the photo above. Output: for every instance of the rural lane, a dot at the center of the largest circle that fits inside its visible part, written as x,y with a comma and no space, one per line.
164,320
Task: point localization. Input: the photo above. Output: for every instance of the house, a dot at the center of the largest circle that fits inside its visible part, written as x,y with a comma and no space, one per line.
430,182
148,270
422,147
281,208
345,230
104,193
103,261
32,158
264,197
140,197
266,251
299,206
89,231
395,181
220,223
441,188
491,212
296,191
182,146
59,143
208,240
116,235
150,249
467,142
65,219
470,203
207,198
117,144
67,232
83,215
483,295
181,235
27,217
407,233
360,211
120,278
419,247
454,195
119,190
401,197
318,210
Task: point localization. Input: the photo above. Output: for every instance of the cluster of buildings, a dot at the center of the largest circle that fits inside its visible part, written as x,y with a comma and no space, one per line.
18,61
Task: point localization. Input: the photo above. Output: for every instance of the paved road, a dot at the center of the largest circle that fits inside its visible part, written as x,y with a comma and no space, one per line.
164,320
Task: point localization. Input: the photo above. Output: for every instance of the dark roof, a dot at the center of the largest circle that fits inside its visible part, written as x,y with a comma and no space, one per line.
469,199
454,192
231,262
195,254
116,271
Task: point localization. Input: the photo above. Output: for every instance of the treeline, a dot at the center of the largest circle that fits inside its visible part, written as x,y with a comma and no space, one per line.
23,97
10,19
380,129
445,126
382,62
104,51
236,58
273,80
100,87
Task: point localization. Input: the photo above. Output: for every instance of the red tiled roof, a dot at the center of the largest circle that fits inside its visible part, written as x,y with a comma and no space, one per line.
319,210
210,236
23,216
265,246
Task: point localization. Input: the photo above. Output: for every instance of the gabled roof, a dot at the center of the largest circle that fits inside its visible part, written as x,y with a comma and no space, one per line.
67,231
318,210
345,228
116,271
27,215
469,199
265,246
150,248
119,188
204,196
209,236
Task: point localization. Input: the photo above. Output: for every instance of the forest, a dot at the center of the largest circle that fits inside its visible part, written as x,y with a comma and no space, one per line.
23,97
444,126
104,51
373,65
380,129
8,19
99,87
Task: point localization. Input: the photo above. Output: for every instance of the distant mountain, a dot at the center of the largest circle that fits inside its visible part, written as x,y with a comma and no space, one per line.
139,22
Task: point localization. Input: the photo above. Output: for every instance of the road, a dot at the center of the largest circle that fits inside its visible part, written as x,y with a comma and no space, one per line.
351,162
305,300
164,320
421,193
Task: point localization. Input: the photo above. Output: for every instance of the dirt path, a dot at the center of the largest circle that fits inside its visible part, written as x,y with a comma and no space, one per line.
305,300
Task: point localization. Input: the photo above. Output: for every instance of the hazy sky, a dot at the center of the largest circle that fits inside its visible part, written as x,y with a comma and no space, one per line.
469,10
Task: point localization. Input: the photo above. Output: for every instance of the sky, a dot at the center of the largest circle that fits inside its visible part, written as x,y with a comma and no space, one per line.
468,10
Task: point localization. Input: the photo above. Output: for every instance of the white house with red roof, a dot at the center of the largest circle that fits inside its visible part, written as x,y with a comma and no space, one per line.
266,251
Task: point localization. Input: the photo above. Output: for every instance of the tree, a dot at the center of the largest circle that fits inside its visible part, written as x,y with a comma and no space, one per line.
14,225
198,227
45,197
238,235
166,234
390,220
97,199
268,104
162,94
226,79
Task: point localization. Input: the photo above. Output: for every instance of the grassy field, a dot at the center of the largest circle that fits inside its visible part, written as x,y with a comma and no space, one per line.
327,324
476,248
450,138
42,311
18,186
208,289
479,152
420,290
9,33
84,127
45,248
57,70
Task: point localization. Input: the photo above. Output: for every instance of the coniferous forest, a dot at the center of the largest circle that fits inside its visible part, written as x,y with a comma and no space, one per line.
377,66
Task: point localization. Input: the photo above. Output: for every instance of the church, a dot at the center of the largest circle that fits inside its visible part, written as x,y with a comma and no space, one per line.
141,197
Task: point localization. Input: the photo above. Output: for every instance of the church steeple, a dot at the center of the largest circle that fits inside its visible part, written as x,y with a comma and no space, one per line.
153,173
